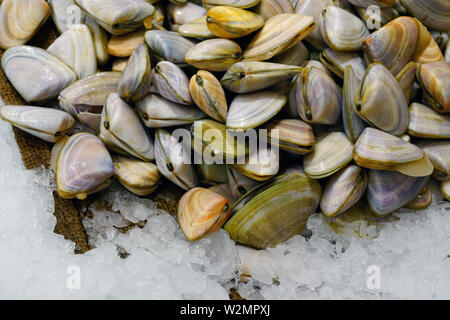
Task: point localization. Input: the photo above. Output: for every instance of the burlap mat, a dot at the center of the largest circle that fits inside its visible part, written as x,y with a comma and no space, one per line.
36,153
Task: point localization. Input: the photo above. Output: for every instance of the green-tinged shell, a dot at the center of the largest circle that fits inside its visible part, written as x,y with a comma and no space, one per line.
353,124
122,130
261,164
394,44
157,112
171,82
343,31
445,189
439,154
317,97
250,110
388,191
174,160
168,46
434,79
243,4
215,143
343,190
279,33
84,99
239,184
83,166
124,46
426,123
291,135
381,102
275,213
202,212
337,61
379,150
196,29
211,174
136,79
406,78
45,123
433,13
37,75
140,177
20,20
294,56
332,152
269,8
118,16
249,76
214,54
208,95
231,22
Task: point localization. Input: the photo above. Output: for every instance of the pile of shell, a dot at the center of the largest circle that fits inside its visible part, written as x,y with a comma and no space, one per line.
355,108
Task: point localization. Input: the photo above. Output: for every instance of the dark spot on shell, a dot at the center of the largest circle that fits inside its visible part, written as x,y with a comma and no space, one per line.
170,166
106,124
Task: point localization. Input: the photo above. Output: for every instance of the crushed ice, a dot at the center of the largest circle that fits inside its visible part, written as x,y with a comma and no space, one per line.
153,260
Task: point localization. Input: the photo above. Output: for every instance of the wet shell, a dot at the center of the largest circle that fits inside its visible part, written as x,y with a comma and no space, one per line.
243,4
291,135
36,74
343,31
381,102
171,82
158,112
83,167
269,8
124,46
119,65
353,124
406,78
196,29
250,110
118,16
426,123
168,46
84,99
317,97
445,190
181,14
332,152
122,131
276,213
433,13
434,79
439,154
174,160
368,3
214,54
249,76
337,61
100,38
388,191
262,163
20,19
373,21
376,149
136,78
139,177
343,190
45,123
279,33
212,141
394,45
66,13
202,212
422,201
212,174
230,22
208,95
75,47
431,53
